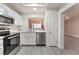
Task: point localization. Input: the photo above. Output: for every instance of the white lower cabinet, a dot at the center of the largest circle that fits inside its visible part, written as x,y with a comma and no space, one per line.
1,46
50,39
28,38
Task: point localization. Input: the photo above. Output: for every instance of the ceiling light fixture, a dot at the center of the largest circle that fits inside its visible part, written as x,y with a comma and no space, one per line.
34,9
34,4
67,17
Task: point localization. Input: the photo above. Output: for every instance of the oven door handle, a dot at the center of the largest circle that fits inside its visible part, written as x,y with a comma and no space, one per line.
13,37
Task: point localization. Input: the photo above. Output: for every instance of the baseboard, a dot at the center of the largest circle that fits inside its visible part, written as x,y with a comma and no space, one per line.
27,45
40,45
71,35
34,45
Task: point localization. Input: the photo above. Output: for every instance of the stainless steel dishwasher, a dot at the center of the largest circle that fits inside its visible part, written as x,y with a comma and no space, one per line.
40,38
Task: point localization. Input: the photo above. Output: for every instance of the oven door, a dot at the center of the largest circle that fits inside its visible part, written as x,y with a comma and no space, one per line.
10,43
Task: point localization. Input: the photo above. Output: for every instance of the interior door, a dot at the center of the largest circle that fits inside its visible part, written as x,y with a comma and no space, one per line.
50,34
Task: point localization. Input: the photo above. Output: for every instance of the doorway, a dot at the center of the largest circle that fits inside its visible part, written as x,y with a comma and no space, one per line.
71,28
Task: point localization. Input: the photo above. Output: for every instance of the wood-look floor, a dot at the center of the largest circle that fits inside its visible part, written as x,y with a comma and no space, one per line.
71,45
71,48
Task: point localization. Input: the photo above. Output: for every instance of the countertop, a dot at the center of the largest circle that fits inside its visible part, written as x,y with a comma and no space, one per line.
11,33
32,31
15,32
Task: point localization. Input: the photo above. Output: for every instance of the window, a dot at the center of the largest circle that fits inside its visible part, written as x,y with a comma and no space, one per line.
36,26
36,23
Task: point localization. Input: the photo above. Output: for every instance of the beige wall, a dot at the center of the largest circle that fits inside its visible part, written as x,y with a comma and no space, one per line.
72,26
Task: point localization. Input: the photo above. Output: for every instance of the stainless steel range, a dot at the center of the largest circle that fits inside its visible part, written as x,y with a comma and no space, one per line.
10,41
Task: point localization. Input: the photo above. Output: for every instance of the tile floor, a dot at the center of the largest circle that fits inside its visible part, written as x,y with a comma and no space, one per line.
71,48
34,50
38,50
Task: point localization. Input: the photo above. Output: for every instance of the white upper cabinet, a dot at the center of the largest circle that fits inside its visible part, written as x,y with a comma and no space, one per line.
4,10
18,20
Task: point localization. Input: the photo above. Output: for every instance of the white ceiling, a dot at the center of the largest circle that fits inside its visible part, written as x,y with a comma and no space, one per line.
20,8
72,12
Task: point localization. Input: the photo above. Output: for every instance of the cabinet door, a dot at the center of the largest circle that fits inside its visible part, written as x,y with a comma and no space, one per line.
50,41
18,20
28,38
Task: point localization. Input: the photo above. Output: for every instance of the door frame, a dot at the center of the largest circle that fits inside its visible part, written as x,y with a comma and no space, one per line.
61,24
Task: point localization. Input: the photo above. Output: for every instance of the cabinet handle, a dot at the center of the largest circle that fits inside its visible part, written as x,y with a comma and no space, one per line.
12,37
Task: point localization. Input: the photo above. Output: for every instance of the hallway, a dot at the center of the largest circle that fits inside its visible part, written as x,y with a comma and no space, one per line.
71,45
